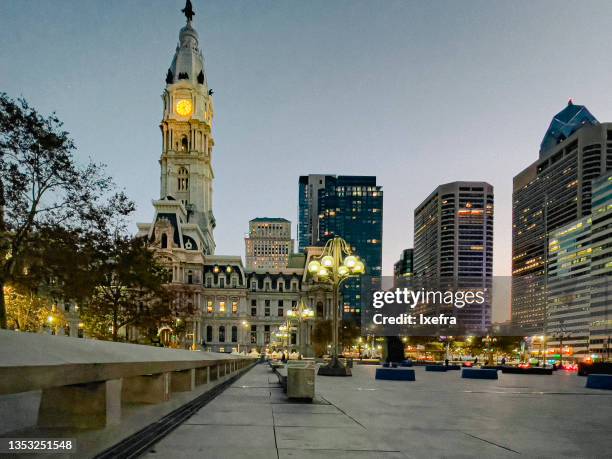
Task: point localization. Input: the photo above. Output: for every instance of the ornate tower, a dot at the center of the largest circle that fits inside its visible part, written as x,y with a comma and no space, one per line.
187,142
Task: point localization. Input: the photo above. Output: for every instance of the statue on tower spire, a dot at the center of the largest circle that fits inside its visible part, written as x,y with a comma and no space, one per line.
188,10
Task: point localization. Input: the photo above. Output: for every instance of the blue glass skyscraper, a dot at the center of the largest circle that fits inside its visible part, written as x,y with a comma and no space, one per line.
350,207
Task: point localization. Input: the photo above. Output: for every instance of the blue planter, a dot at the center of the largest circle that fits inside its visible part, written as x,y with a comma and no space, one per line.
435,368
477,373
395,374
596,381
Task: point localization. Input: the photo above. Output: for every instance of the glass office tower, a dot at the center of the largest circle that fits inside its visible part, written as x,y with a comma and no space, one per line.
350,207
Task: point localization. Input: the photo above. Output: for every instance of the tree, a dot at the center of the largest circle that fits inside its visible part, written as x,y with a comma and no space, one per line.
321,336
349,333
28,312
42,186
130,289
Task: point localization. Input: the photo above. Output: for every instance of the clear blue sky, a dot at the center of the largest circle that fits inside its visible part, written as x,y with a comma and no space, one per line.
417,93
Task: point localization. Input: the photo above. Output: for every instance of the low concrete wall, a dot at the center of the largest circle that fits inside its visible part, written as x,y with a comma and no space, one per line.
83,384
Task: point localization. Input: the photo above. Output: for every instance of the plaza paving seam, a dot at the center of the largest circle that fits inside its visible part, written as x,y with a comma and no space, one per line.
344,413
490,442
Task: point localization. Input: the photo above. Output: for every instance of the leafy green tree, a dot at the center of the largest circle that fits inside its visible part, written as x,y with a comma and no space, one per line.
129,290
350,331
321,336
43,190
29,312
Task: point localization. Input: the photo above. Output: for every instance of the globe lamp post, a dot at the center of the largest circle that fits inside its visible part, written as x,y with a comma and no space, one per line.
335,265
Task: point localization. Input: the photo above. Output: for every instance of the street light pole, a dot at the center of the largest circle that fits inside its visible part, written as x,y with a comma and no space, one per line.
336,265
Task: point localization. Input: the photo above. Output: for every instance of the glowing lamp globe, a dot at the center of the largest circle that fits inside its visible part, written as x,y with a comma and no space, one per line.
343,270
359,267
323,272
350,261
314,266
327,261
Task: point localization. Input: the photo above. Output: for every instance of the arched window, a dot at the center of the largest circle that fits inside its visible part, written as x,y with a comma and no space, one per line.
319,309
183,179
234,334
222,334
184,143
209,333
190,277
164,241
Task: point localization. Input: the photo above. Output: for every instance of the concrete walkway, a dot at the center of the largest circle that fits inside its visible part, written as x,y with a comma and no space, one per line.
439,415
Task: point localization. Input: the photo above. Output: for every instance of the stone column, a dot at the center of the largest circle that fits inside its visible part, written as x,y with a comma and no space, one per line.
81,406
182,381
146,388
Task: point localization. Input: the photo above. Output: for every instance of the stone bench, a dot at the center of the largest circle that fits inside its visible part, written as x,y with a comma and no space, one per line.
85,382
478,373
599,381
395,374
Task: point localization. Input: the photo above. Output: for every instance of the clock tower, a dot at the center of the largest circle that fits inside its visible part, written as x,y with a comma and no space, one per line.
187,141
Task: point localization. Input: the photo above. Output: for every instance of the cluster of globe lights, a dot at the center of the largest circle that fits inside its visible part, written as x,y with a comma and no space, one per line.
283,332
306,313
323,268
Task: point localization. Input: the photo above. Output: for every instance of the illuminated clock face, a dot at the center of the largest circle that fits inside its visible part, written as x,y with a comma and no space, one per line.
184,107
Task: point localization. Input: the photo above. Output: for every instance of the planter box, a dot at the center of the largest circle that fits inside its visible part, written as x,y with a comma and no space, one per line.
435,368
478,373
395,374
527,371
596,381
301,382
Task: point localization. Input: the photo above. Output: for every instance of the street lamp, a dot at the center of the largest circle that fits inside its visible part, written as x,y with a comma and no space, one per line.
489,340
245,324
300,314
335,265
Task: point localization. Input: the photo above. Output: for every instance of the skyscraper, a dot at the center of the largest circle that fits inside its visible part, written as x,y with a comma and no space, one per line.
350,207
552,192
453,241
308,218
453,231
404,266
580,279
269,243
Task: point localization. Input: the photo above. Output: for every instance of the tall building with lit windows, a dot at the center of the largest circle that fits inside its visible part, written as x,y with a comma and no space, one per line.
268,244
579,288
404,266
453,242
553,192
453,232
348,206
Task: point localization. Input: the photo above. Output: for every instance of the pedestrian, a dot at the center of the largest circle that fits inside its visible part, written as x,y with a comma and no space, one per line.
503,361
446,362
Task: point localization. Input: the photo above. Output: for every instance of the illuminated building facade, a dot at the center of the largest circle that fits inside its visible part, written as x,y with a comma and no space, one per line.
268,244
453,241
553,192
352,207
580,279
404,266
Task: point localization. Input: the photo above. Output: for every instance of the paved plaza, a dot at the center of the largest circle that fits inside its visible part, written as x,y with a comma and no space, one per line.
438,415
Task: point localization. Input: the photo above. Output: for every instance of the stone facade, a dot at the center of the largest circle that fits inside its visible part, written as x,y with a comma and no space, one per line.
269,244
230,308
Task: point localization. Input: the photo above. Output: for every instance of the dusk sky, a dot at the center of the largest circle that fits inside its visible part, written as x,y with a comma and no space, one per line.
418,93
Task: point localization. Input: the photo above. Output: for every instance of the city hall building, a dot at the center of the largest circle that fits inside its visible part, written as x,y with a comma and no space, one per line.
224,305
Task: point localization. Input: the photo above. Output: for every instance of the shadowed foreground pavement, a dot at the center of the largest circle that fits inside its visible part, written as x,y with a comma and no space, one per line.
439,415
